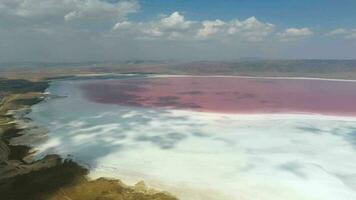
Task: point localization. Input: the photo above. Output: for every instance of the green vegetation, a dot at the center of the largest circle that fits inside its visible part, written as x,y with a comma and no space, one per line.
21,86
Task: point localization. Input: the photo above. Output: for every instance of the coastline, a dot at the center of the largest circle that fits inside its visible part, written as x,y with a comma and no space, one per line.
262,77
245,115
54,166
78,179
271,116
265,97
217,76
51,177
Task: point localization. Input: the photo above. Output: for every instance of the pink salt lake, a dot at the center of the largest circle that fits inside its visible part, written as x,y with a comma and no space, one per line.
229,94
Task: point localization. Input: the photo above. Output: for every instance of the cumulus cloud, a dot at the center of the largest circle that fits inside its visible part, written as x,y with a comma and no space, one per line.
34,8
346,33
292,34
176,27
251,29
92,29
60,29
123,25
339,31
351,34
46,11
175,21
169,27
96,9
210,27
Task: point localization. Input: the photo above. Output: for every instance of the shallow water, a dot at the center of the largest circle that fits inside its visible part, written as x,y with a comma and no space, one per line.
228,94
202,155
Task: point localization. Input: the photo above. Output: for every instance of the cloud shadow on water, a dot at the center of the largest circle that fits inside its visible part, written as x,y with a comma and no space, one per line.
294,168
166,141
94,137
348,133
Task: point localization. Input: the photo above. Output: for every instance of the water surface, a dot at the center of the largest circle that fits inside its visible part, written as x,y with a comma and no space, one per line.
228,94
197,154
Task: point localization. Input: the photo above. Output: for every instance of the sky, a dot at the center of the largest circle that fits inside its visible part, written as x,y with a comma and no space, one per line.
116,30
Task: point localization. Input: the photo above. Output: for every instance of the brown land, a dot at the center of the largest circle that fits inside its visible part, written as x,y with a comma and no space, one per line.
340,69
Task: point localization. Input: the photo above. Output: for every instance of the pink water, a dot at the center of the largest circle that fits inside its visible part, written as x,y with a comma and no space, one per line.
228,94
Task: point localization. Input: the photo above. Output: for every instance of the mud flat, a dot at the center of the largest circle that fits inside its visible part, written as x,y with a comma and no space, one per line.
196,153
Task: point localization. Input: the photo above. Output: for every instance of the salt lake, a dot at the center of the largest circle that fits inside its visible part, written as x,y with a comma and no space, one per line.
195,137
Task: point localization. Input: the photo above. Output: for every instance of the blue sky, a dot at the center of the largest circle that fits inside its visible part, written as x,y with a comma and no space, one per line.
82,30
316,13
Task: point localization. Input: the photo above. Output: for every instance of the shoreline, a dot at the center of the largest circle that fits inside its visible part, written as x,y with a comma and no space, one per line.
258,115
264,77
239,117
272,116
216,76
307,104
51,177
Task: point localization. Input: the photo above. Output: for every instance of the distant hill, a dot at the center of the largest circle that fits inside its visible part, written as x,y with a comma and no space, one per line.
345,69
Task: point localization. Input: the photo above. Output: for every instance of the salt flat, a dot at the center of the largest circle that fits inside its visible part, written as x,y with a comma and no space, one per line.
203,155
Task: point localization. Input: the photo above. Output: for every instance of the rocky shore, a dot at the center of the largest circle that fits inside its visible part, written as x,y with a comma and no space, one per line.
23,178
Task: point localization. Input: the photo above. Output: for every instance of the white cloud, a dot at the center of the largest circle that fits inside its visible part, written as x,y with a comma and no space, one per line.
250,24
292,34
67,10
34,8
210,27
96,9
95,16
62,29
339,31
351,34
175,21
122,25
59,29
251,29
174,26
345,33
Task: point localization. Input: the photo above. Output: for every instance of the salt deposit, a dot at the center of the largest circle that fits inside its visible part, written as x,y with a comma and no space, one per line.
201,155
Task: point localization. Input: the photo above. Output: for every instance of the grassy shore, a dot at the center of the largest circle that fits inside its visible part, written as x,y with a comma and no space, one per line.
50,178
